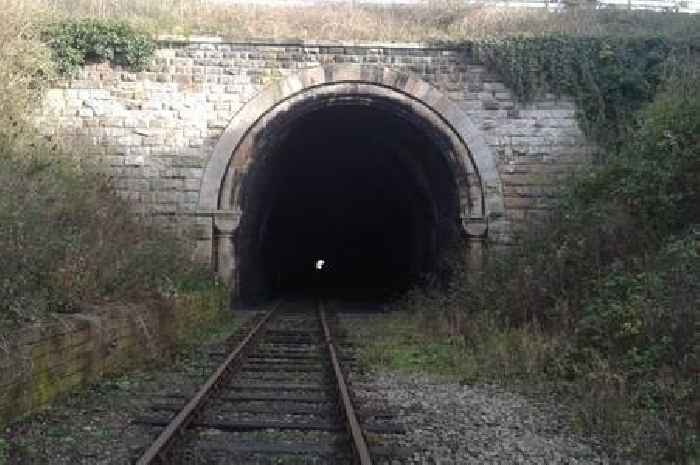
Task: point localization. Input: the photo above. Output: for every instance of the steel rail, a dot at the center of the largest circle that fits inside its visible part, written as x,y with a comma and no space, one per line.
159,448
359,444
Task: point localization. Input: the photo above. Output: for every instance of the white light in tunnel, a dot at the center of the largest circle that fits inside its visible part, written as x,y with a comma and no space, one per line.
319,264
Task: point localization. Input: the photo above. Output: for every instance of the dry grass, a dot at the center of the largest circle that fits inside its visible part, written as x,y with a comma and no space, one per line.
24,62
437,20
65,237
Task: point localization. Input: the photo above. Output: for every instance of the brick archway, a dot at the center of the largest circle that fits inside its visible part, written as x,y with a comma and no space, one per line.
472,162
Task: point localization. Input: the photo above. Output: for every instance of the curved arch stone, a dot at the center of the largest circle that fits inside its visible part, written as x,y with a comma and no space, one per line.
358,93
217,197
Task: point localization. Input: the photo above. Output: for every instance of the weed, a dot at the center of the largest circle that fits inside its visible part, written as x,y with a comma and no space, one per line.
75,42
432,21
600,300
67,239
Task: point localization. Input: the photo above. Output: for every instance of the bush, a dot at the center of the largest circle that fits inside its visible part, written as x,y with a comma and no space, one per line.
613,277
25,63
642,321
67,239
617,214
643,317
75,42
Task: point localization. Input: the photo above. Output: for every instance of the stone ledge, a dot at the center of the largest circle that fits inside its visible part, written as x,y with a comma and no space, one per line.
179,40
43,361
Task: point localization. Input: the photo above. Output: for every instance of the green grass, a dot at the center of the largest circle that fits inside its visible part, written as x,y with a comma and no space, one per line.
399,341
218,331
599,303
522,359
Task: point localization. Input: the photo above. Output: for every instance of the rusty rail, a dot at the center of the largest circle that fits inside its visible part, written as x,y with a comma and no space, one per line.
158,450
359,445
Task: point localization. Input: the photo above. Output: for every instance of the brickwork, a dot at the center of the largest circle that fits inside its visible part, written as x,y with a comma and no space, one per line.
42,362
156,129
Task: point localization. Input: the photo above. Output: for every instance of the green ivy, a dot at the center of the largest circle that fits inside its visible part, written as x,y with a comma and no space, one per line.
76,42
609,78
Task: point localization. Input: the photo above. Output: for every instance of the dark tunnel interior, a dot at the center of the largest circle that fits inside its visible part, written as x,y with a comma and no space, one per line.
364,188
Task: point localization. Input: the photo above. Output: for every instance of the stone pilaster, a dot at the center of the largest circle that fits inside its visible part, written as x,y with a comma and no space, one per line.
225,226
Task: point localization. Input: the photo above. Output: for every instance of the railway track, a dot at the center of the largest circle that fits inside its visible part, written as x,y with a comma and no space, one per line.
280,395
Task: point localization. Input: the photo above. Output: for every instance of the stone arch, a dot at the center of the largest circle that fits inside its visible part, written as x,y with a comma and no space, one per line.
471,160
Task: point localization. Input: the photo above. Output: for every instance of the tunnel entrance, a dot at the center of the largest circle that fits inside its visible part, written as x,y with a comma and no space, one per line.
364,187
374,172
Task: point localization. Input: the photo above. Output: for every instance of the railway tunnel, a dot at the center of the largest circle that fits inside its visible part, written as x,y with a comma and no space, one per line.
371,183
359,187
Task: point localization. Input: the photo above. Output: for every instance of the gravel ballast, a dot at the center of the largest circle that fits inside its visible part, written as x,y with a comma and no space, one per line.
455,424
447,423
450,423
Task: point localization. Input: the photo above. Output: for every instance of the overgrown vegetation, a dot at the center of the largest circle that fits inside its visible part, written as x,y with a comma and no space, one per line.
98,416
609,78
25,63
75,42
4,451
436,20
602,298
65,237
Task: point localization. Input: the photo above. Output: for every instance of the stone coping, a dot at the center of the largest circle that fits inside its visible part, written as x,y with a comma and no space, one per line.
179,40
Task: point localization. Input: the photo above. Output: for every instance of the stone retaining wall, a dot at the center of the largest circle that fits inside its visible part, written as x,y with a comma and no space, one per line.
156,130
44,361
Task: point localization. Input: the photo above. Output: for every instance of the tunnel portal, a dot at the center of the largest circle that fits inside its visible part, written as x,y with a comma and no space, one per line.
360,185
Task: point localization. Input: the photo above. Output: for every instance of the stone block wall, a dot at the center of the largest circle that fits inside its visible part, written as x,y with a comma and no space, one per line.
155,130
41,362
